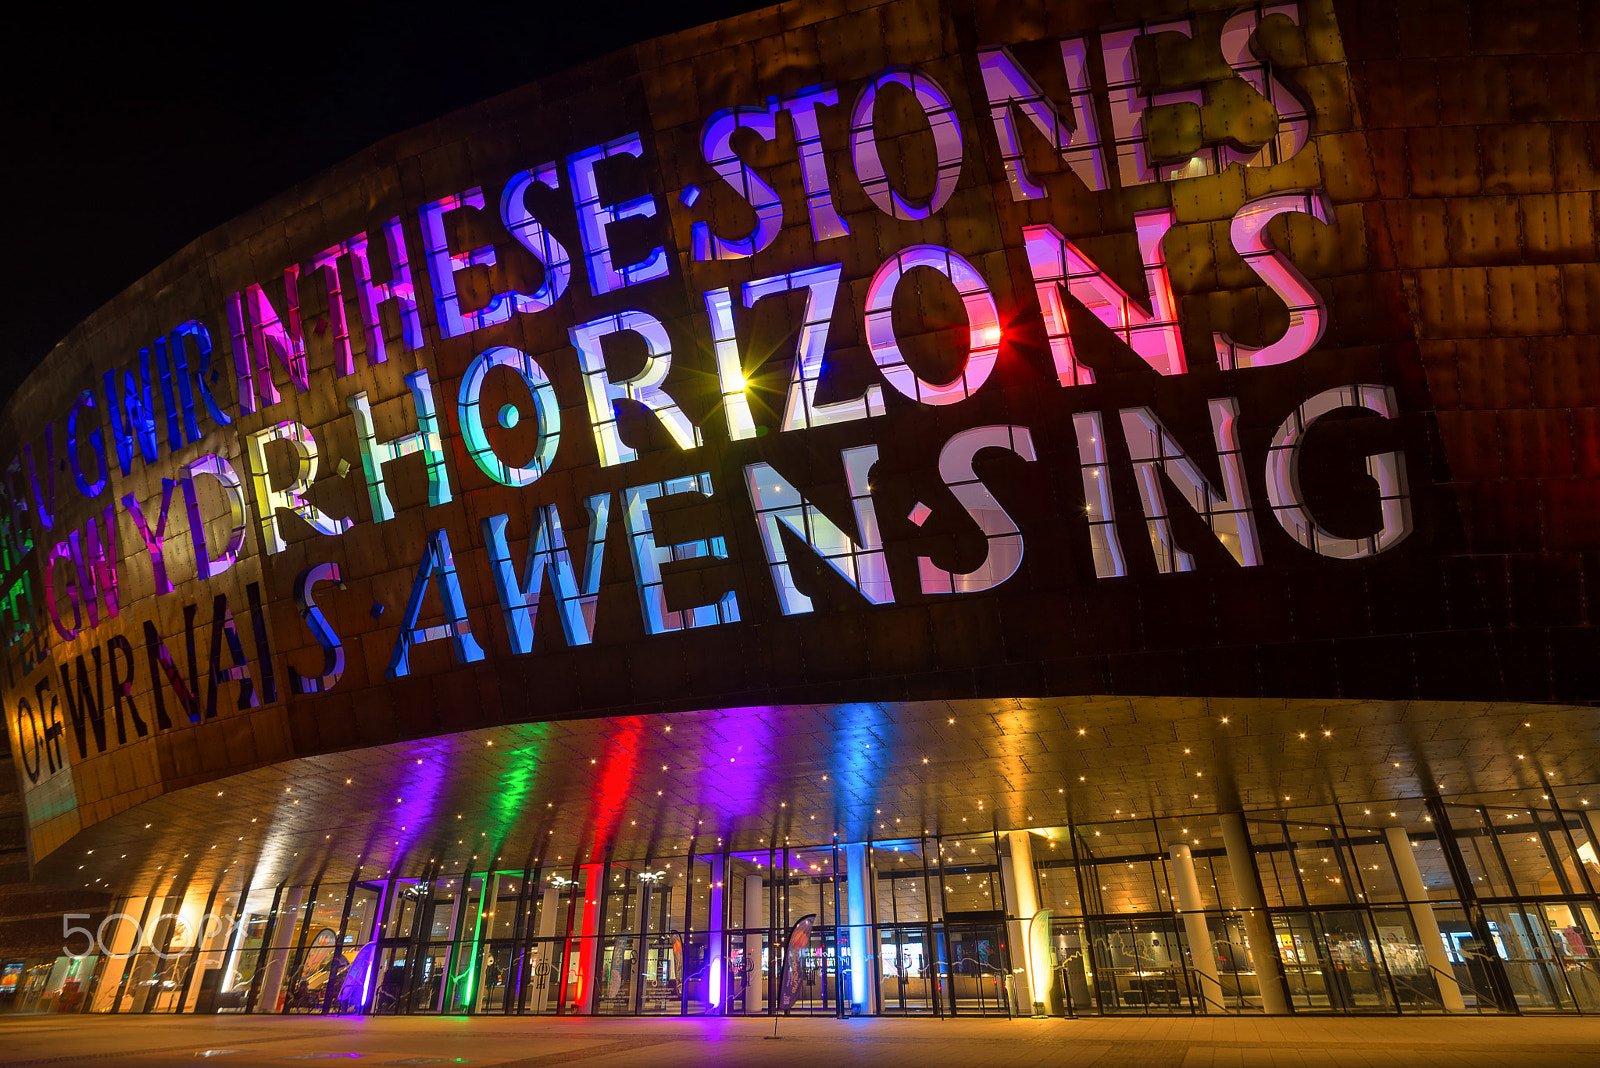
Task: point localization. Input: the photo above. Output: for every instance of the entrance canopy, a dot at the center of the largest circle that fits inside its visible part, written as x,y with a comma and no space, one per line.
748,778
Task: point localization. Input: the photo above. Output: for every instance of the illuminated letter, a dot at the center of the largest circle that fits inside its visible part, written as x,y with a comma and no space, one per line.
1387,469
1294,118
374,294
648,557
1155,452
983,342
1307,312
130,414
61,552
532,235
547,410
96,561
94,581
46,508
644,387
436,559
291,496
258,335
730,366
98,486
802,409
778,504
716,146
1005,547
233,492
548,555
941,116
204,376
1127,102
594,218
317,623
327,262
154,539
1010,88
802,108
1104,544
426,440
1057,263
444,265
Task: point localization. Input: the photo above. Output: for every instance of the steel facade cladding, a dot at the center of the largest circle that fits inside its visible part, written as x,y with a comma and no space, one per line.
901,352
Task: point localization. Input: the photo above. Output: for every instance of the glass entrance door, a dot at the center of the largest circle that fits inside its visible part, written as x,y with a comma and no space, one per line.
1330,961
979,967
1138,965
909,980
389,993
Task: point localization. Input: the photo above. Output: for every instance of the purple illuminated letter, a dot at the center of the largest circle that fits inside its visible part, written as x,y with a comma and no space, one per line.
594,217
716,146
948,151
233,494
375,294
1011,89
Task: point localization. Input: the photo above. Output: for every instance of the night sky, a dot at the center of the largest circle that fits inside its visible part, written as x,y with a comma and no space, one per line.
129,134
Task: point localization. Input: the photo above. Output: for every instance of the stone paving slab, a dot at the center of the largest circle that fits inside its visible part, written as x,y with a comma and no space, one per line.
1303,1042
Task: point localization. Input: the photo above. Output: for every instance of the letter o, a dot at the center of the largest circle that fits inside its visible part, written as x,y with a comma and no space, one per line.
546,409
24,709
941,115
983,319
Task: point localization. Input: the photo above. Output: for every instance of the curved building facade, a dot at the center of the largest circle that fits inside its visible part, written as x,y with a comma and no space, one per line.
907,507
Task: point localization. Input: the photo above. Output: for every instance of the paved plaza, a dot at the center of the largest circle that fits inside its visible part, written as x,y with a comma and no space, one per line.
1534,1042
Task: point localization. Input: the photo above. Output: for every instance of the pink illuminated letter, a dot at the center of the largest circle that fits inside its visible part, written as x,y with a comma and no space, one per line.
983,321
1058,264
259,335
444,265
327,262
1308,312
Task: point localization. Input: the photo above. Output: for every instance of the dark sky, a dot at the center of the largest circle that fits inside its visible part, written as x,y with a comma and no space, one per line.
129,133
